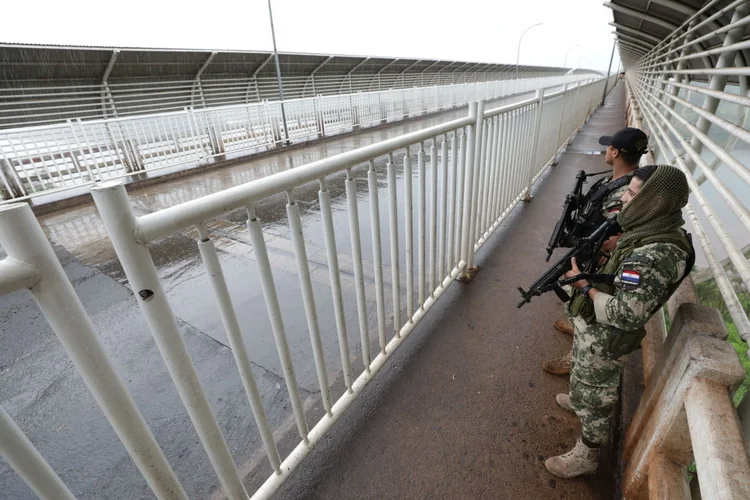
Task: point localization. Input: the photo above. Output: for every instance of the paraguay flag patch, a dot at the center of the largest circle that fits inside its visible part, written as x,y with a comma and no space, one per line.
630,277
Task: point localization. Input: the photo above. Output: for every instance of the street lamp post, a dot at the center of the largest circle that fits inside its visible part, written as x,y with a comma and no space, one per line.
565,63
609,70
278,75
518,52
580,59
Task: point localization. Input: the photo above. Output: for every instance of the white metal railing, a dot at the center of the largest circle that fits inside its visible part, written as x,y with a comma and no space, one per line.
690,135
41,160
31,264
41,105
448,188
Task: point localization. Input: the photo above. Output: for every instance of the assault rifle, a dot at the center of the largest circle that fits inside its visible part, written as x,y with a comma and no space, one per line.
566,230
586,252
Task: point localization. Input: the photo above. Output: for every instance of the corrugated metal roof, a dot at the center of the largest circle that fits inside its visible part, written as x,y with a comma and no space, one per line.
19,62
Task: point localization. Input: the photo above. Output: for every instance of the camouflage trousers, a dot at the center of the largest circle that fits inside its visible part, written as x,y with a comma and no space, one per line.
599,354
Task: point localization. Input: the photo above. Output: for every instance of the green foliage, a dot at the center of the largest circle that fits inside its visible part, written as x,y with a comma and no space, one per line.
709,295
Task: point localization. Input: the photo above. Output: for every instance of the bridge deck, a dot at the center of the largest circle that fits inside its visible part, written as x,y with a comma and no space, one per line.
471,415
468,415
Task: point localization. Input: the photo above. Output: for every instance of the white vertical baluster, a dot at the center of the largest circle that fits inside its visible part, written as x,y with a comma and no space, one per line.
442,268
453,175
24,458
433,265
117,214
421,222
308,298
234,334
409,234
359,279
372,179
393,214
277,323
333,272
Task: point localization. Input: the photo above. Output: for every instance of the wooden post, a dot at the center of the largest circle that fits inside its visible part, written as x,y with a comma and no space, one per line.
720,456
667,480
660,426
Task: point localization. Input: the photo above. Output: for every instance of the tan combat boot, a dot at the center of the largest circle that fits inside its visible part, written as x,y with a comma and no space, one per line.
580,461
563,401
563,325
559,366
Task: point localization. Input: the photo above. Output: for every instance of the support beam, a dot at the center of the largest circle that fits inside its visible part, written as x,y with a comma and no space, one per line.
641,15
634,48
106,93
377,75
312,74
440,71
349,74
197,80
636,41
400,75
634,31
253,78
425,69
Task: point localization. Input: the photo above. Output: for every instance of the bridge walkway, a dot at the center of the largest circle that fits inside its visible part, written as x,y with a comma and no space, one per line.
471,414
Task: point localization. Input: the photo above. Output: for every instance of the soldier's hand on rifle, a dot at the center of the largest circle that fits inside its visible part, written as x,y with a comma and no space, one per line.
574,271
607,247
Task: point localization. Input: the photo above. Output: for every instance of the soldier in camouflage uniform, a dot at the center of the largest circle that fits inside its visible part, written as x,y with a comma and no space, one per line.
652,257
624,151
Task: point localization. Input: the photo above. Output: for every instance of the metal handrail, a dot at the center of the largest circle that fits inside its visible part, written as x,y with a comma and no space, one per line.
475,170
41,160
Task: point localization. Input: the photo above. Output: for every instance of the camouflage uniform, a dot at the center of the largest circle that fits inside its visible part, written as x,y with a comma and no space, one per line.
612,203
611,206
643,282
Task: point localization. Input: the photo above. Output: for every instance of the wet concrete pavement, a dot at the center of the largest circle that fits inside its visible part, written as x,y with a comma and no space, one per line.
43,393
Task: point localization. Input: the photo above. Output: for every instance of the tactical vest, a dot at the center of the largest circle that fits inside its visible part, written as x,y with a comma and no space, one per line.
582,306
590,217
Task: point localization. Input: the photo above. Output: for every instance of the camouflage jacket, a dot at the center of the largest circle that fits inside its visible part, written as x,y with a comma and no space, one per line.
612,203
643,281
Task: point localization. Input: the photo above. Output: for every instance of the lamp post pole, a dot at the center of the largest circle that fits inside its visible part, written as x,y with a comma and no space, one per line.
609,70
565,64
518,52
278,75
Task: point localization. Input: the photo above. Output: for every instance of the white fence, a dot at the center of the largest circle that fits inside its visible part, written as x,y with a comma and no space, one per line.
31,263
45,159
467,174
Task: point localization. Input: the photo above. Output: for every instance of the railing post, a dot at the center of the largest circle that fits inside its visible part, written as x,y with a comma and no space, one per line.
676,416
22,238
539,95
473,149
560,123
114,207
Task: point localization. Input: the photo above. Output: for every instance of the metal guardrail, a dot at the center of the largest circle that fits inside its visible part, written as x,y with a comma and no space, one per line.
31,264
41,160
468,174
688,135
700,128
43,105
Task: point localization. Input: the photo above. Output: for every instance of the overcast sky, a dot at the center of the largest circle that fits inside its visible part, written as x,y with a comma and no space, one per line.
471,30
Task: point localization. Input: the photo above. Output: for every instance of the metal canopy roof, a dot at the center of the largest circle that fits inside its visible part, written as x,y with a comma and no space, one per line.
19,63
641,24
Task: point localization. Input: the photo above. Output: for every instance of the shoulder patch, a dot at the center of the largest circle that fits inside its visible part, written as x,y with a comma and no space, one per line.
637,259
630,276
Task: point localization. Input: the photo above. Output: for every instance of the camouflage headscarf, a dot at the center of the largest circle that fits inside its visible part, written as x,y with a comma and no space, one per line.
658,207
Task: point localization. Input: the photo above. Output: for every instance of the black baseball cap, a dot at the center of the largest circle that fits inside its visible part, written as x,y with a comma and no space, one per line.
629,140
